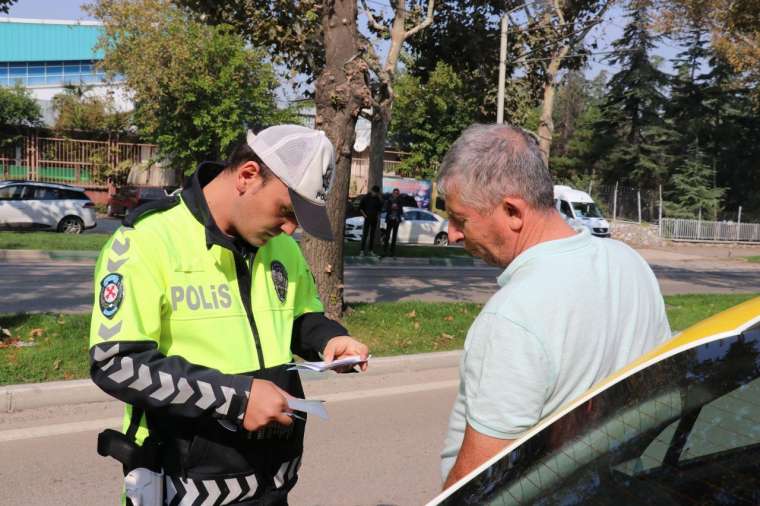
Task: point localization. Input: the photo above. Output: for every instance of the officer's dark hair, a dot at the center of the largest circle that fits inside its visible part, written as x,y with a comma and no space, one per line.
242,154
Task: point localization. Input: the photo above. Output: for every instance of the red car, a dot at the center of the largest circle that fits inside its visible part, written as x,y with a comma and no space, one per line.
129,197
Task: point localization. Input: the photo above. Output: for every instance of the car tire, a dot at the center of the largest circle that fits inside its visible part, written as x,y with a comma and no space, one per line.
442,239
71,225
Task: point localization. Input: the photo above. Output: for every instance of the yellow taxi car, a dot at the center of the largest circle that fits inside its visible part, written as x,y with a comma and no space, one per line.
679,426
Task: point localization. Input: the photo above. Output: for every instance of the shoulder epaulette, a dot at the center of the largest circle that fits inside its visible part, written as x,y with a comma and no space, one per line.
154,206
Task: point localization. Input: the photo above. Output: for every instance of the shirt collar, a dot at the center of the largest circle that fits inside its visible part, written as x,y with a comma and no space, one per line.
566,244
192,194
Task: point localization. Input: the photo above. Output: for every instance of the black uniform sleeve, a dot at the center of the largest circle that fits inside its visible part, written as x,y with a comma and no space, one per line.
311,331
137,373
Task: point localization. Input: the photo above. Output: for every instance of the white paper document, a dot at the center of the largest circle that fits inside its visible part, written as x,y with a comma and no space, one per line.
322,366
311,406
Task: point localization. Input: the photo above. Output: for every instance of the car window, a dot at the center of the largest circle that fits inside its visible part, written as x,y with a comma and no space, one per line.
586,210
42,193
425,216
564,207
412,215
11,192
685,430
73,195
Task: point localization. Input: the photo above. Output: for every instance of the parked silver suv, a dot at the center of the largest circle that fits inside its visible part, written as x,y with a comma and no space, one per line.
34,205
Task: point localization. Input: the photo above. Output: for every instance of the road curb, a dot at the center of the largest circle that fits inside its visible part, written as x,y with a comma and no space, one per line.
10,255
56,393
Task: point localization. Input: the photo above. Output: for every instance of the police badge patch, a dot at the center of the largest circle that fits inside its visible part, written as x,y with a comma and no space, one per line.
280,280
111,294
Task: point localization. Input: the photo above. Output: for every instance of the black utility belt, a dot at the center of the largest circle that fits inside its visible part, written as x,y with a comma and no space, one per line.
112,443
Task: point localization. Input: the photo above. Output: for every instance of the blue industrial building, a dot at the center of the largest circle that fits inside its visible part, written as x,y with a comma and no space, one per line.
45,55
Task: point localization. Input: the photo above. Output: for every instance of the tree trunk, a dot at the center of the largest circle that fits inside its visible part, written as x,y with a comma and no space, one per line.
341,92
546,124
380,121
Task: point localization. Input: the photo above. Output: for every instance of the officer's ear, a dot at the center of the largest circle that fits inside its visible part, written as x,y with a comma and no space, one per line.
247,176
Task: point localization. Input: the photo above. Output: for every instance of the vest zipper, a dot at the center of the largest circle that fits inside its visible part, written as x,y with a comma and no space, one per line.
245,282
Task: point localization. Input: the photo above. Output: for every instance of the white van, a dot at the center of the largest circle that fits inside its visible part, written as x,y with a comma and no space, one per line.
579,210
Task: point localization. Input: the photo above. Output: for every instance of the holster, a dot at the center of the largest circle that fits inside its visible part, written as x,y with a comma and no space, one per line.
112,443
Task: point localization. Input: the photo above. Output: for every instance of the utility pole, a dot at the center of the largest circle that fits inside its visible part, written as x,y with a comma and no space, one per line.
502,68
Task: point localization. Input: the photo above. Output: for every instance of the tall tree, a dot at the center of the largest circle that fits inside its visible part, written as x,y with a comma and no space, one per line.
734,30
403,24
320,39
429,117
634,138
194,86
692,190
545,38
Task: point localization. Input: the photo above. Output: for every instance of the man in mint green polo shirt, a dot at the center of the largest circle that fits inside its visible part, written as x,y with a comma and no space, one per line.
571,308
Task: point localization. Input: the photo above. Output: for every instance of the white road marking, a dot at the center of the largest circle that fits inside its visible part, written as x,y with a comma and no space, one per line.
103,423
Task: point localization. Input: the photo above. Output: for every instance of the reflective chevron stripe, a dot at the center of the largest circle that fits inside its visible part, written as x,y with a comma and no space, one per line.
185,392
294,468
106,333
228,394
207,395
167,387
120,247
125,372
186,491
287,469
114,266
143,380
101,355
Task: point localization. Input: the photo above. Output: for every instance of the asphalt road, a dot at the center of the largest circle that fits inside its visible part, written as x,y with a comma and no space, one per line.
380,446
67,286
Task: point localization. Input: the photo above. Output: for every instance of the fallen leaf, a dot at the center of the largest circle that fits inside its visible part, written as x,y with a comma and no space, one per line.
416,325
36,332
447,336
57,364
67,376
448,318
412,314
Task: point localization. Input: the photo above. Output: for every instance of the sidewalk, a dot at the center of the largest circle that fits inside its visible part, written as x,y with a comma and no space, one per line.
56,393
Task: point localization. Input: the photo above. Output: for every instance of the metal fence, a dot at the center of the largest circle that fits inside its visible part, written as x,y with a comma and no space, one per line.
73,161
712,231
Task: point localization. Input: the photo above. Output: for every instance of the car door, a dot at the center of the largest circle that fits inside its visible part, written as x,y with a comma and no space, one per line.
13,212
427,226
408,230
681,428
45,205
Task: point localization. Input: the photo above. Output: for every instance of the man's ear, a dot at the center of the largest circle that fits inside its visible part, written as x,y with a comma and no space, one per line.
515,210
248,175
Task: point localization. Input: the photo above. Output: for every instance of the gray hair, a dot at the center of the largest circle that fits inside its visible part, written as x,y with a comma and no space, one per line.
490,162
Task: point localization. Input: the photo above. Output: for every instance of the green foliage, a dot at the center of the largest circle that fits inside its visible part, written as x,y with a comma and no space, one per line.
427,118
633,136
195,86
78,109
18,110
693,193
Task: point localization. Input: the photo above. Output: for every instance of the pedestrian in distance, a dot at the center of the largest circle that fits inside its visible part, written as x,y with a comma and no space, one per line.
370,206
201,302
571,308
394,215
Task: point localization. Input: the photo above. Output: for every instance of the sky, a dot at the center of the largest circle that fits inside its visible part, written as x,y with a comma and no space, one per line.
610,30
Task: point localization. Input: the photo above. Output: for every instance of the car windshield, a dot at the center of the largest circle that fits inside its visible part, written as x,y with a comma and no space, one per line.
586,210
681,431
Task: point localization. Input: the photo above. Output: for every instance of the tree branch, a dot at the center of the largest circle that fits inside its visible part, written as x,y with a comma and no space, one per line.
371,17
425,23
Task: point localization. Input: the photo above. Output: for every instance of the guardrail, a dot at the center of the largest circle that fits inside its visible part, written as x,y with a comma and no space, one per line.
677,229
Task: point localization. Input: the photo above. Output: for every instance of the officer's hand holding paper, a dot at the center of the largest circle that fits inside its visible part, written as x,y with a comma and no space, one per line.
345,347
322,366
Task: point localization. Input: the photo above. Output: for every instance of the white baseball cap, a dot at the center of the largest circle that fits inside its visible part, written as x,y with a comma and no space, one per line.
303,159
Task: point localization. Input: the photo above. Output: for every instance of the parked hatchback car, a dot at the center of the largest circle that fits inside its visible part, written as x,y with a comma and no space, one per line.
129,197
34,205
680,425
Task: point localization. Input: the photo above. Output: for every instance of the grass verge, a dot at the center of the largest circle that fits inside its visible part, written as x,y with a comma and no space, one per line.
755,259
51,241
396,328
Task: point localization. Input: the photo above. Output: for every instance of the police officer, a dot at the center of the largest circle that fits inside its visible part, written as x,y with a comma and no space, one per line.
201,302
